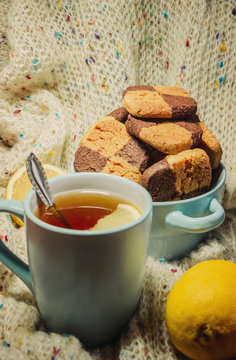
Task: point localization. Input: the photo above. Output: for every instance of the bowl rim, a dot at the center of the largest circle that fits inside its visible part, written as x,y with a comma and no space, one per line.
193,199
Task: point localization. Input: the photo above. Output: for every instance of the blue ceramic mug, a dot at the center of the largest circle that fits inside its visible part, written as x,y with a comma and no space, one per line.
179,226
86,283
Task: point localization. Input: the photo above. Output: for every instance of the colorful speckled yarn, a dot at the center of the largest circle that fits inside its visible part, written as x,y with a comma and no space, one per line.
63,65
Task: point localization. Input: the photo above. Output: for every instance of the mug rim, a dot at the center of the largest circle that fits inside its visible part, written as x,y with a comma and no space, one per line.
93,233
196,198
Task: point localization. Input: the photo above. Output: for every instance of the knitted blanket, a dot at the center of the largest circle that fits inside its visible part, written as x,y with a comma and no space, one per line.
64,65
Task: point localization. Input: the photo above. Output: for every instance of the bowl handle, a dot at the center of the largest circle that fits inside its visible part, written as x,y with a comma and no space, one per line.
176,220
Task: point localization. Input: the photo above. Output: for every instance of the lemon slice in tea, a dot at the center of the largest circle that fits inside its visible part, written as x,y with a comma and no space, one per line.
123,215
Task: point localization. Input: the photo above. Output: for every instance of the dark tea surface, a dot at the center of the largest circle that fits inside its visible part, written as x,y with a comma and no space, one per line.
81,209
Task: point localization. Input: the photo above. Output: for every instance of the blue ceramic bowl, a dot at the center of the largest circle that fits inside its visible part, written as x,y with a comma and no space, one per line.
179,226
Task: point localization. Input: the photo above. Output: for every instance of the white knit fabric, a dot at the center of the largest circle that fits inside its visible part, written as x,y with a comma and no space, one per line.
63,65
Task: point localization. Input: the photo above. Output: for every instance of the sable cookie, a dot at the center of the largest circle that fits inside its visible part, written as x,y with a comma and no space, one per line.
120,114
171,90
179,176
211,146
108,147
156,155
158,102
169,137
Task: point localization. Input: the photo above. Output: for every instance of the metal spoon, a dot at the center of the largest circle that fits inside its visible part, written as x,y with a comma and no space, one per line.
38,178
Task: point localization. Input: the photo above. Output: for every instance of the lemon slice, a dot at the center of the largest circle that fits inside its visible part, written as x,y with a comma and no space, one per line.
123,215
19,184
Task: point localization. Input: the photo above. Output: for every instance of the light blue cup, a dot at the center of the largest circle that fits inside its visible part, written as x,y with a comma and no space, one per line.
179,226
86,283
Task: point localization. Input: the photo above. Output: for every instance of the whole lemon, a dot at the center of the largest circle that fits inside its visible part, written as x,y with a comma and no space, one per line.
201,311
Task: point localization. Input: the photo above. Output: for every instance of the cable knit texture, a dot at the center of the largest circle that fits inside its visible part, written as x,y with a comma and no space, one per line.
64,65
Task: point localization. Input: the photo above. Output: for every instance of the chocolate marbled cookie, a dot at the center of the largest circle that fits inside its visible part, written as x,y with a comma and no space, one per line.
108,147
158,102
211,145
120,114
168,137
179,176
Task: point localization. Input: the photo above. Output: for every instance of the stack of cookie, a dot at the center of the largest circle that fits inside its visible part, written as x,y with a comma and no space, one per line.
155,139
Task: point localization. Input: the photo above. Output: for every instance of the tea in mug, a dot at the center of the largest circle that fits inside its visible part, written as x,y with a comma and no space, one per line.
90,210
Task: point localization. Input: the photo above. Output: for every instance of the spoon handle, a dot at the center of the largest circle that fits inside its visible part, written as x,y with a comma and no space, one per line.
53,209
39,180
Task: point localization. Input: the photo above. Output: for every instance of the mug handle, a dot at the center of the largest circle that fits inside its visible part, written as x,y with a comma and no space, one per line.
10,260
176,220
